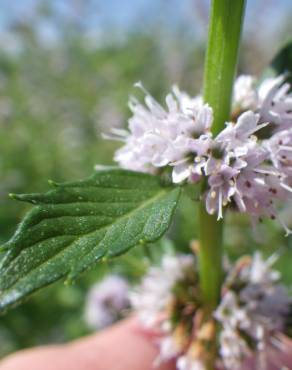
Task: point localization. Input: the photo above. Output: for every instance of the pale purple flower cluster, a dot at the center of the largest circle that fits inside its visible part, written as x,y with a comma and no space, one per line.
247,165
152,298
106,302
154,293
160,137
253,313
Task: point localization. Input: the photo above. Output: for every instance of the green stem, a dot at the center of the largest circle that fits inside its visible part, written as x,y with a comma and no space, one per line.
220,66
210,258
221,59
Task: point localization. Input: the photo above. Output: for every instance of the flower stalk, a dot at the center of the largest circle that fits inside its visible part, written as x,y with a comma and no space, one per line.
220,66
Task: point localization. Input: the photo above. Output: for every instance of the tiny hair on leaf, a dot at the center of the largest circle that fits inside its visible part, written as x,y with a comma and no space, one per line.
77,224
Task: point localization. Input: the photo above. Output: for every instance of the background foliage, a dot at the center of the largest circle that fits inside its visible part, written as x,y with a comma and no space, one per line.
57,98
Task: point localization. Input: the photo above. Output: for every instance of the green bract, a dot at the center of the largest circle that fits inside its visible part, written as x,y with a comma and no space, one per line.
79,223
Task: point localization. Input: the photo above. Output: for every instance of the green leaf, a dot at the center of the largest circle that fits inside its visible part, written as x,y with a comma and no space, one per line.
281,63
77,224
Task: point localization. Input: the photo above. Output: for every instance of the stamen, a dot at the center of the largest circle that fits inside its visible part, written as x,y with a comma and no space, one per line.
285,227
181,161
120,132
266,172
274,257
140,86
220,214
285,147
286,187
258,127
113,137
259,181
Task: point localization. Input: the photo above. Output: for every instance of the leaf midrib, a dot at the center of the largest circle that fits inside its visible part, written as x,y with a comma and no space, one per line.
143,205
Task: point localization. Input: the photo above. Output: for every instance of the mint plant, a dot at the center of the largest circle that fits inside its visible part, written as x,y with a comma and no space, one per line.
235,140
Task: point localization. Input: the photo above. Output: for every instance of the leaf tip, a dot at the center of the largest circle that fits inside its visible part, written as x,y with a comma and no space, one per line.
52,183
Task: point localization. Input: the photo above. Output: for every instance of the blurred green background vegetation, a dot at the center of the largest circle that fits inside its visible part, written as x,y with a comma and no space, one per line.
56,98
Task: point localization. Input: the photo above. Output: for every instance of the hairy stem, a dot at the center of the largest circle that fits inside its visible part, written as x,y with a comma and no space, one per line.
220,66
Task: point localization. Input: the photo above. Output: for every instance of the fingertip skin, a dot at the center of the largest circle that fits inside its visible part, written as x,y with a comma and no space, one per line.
124,346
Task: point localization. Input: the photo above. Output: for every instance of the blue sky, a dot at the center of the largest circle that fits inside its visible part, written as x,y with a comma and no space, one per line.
123,15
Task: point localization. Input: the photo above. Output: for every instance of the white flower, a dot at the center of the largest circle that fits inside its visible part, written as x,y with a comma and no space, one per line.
275,102
159,137
106,301
230,313
187,103
237,137
279,147
221,190
244,93
168,349
271,99
155,301
186,363
152,296
260,271
232,349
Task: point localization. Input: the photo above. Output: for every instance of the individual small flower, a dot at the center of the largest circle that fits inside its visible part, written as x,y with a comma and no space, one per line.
185,363
275,102
186,102
279,147
230,311
106,302
221,189
253,312
168,349
244,94
271,99
238,136
253,191
258,271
